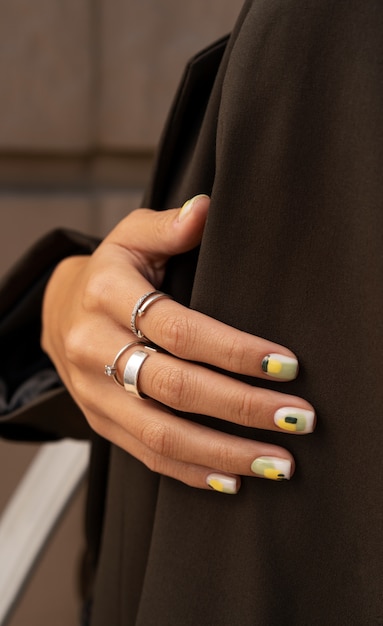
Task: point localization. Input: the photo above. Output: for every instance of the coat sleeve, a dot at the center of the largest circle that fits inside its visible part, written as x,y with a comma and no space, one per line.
34,405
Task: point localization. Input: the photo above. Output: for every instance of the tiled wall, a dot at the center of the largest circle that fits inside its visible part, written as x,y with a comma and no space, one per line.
84,90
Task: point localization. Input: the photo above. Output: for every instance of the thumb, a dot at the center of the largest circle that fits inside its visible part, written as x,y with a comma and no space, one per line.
189,224
147,238
158,235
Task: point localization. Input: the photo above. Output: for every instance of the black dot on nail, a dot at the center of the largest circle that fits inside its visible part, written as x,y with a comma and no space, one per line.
291,420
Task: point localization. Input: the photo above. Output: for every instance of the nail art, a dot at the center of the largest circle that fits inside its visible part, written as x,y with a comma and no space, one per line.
272,467
294,420
222,483
280,366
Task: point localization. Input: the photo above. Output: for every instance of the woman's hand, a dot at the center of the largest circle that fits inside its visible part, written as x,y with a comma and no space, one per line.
86,321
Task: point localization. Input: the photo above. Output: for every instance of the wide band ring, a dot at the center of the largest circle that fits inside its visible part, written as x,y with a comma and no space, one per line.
141,306
111,370
132,371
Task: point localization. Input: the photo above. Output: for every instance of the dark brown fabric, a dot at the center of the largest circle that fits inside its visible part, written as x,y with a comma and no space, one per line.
286,133
33,404
291,149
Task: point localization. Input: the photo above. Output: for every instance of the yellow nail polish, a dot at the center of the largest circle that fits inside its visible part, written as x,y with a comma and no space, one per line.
280,366
272,468
222,483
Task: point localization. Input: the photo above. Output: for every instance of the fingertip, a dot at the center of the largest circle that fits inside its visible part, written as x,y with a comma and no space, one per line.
278,468
295,420
199,202
223,483
280,366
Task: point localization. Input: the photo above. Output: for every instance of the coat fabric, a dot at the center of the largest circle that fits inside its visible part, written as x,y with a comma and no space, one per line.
281,123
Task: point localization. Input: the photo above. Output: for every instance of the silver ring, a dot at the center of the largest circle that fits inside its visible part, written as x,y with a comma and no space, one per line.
111,370
141,306
132,371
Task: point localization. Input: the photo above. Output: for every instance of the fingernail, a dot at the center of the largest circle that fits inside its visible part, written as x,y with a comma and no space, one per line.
222,483
272,467
295,420
189,205
280,366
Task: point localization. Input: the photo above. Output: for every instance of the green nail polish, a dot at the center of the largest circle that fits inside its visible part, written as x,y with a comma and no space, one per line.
294,420
271,467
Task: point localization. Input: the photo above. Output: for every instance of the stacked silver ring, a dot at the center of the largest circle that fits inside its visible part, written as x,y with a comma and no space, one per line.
132,367
137,358
141,306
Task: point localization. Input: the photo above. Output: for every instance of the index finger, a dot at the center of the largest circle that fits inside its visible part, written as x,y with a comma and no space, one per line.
190,335
194,336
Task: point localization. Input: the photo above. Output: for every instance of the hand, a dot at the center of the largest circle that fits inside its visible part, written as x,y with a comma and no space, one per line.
86,321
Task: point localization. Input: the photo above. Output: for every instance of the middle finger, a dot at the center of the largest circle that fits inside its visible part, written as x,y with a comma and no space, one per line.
192,388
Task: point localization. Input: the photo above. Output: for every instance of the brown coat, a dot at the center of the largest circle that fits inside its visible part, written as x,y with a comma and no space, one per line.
285,131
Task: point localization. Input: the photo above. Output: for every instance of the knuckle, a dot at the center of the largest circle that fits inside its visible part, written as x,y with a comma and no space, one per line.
97,291
157,438
236,354
78,350
225,456
178,334
74,345
83,392
172,386
246,407
153,462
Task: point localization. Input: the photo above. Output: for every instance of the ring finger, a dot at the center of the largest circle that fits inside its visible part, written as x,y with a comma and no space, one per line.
163,438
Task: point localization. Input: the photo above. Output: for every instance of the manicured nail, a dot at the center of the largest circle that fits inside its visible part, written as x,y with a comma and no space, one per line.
272,467
280,366
222,483
295,420
189,205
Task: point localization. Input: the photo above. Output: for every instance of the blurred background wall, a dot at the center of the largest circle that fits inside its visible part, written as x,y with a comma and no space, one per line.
84,90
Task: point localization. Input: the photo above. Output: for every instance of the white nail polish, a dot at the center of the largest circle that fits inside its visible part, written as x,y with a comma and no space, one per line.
222,483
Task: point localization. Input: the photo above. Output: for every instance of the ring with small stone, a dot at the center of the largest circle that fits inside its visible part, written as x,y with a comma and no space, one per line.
111,370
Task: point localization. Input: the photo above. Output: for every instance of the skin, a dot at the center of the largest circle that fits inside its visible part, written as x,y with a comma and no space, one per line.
86,320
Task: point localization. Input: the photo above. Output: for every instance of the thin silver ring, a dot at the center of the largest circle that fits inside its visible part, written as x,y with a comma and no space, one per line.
111,370
132,371
141,306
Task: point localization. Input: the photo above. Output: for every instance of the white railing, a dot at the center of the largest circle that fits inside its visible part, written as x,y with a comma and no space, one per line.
33,511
